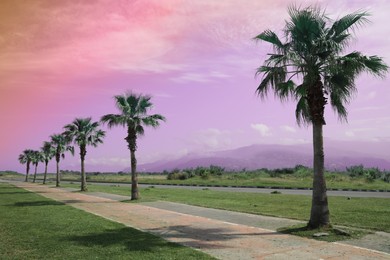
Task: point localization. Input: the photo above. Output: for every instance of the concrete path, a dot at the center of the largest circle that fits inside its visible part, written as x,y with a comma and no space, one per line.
221,239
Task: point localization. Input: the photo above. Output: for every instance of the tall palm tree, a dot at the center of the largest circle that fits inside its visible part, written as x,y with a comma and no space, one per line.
133,115
84,132
61,144
25,158
312,55
48,151
37,157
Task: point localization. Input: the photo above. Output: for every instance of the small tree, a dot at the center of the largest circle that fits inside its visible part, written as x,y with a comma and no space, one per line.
133,115
61,145
25,158
48,151
84,132
36,158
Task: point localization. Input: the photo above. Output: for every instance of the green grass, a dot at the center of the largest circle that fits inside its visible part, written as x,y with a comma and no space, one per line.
259,178
370,213
334,180
34,227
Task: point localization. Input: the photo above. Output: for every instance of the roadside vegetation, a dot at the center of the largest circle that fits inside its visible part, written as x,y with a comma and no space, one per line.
355,177
34,227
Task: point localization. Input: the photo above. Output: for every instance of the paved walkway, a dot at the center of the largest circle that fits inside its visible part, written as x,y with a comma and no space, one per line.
219,238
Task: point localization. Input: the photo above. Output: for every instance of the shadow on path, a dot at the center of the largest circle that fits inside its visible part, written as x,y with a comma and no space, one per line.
203,237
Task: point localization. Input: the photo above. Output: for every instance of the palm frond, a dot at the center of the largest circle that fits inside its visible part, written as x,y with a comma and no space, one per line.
153,120
348,22
285,90
271,37
114,120
139,129
272,77
302,113
337,102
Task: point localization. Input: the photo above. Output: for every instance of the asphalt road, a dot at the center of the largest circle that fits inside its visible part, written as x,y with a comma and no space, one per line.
363,194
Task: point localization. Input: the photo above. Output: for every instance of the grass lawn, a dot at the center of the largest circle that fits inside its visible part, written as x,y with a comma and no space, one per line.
370,213
333,180
34,227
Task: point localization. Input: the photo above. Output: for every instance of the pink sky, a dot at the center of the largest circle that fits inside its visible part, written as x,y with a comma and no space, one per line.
65,59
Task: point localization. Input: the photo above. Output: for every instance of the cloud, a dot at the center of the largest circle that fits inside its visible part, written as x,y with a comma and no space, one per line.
200,77
350,133
290,141
288,129
263,129
212,139
111,161
369,108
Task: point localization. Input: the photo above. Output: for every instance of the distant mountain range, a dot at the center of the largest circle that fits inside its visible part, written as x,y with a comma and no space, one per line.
275,156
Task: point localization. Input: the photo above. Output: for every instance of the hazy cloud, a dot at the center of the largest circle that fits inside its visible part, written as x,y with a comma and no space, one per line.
263,129
288,129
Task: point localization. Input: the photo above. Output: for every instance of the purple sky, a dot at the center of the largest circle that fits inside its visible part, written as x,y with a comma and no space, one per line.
61,60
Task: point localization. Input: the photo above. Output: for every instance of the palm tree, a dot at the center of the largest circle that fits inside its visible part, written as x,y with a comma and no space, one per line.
312,55
36,158
133,115
48,152
61,144
84,132
25,158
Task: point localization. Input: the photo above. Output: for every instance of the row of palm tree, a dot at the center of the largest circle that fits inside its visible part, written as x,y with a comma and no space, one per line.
84,132
310,55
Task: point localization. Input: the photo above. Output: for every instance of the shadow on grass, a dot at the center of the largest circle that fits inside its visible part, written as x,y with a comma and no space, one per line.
13,192
37,203
131,239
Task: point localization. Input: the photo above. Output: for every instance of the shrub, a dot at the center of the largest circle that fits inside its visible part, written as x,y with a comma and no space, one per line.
176,174
385,177
216,170
355,171
278,172
301,171
371,174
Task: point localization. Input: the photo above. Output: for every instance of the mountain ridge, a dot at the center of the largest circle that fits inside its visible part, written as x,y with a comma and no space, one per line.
270,156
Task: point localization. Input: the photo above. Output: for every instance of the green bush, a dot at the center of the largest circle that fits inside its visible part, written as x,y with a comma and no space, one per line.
216,170
385,176
356,171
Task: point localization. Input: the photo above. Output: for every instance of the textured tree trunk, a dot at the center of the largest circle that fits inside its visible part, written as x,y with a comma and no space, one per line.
45,174
134,176
319,216
27,170
58,177
83,175
35,172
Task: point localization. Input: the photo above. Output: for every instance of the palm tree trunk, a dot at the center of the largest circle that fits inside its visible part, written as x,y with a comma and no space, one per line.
58,177
134,176
35,172
319,216
44,175
83,176
27,170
